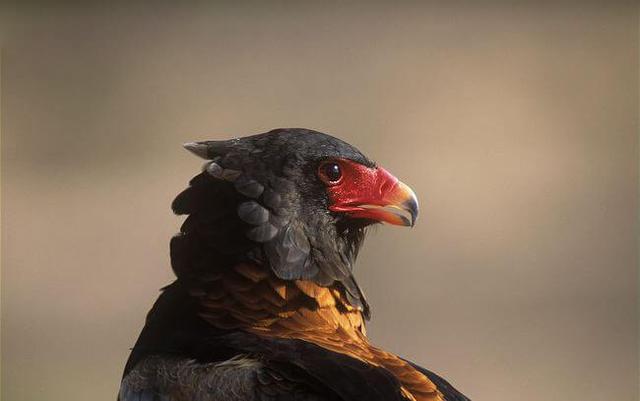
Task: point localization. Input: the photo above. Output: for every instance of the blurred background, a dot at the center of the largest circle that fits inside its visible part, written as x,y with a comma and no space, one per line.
516,123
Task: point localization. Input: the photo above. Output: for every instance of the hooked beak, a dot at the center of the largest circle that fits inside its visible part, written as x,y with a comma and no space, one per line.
386,199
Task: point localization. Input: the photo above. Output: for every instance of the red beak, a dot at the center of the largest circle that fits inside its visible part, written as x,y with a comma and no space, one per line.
379,196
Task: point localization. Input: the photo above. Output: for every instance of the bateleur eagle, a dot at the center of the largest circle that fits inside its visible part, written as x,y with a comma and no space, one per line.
265,305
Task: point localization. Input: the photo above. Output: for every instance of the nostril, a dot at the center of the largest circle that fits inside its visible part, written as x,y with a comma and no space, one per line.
386,186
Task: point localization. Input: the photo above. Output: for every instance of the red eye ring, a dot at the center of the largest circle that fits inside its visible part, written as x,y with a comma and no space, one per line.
330,172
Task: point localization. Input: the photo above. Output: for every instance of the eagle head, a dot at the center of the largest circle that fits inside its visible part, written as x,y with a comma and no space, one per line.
295,200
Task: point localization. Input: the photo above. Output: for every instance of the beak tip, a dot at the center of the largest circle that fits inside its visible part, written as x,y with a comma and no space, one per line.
411,205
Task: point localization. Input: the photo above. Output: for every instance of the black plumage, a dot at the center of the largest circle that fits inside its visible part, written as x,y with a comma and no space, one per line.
260,245
299,226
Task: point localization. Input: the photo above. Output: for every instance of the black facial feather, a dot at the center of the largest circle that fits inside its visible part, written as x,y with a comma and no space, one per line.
253,213
248,187
259,198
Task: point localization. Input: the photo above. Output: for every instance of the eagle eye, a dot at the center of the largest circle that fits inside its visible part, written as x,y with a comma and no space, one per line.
330,173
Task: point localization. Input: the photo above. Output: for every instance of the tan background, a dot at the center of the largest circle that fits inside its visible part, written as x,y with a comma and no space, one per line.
516,124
